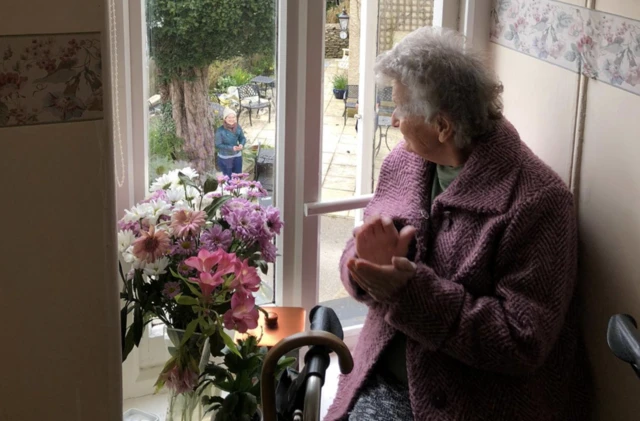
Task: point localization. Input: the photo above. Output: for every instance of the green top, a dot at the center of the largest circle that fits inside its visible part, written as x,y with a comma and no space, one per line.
443,177
393,361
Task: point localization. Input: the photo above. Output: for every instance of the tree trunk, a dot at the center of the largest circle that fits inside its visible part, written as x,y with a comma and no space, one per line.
190,104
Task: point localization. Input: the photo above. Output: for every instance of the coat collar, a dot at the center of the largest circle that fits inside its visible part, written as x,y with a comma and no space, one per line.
486,183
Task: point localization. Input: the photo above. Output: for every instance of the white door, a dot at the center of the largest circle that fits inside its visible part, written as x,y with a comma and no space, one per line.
341,164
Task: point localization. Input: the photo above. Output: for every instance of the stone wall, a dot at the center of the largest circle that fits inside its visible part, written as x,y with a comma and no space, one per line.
333,43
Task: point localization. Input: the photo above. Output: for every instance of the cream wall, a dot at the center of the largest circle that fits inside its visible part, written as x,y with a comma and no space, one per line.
541,100
60,346
610,230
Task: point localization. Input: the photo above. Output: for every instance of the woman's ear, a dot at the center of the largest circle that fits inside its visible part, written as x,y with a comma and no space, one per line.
445,128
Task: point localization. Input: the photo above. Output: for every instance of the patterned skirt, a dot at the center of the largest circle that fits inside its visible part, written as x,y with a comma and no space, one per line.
381,400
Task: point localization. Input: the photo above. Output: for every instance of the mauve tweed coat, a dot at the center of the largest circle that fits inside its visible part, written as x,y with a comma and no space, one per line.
491,322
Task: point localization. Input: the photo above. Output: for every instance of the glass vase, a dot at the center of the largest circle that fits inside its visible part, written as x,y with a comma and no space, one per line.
184,407
187,406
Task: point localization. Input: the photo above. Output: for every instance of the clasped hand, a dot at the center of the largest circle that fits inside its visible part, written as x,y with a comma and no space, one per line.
381,268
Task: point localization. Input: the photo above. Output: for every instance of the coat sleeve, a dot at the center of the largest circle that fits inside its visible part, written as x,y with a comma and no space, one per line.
241,137
513,330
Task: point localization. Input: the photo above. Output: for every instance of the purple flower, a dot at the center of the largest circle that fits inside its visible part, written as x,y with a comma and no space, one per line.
184,246
234,205
184,269
268,250
215,238
236,184
240,222
273,220
171,289
240,176
133,226
222,179
157,195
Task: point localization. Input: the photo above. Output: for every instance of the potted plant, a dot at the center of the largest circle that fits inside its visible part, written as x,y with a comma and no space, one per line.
194,246
239,376
339,86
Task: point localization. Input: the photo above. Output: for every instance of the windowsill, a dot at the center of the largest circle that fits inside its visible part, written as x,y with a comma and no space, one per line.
157,404
152,404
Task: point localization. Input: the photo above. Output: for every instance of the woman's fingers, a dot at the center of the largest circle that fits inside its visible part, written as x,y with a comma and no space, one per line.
403,264
405,236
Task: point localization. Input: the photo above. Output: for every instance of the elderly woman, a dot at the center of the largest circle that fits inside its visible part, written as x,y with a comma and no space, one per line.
229,142
466,260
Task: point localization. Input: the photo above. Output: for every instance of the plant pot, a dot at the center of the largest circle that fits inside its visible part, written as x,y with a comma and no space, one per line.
339,93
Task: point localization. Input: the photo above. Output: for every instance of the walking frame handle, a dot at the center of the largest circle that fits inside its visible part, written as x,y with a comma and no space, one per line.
624,340
286,345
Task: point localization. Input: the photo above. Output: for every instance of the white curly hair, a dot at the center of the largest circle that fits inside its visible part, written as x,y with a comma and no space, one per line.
442,75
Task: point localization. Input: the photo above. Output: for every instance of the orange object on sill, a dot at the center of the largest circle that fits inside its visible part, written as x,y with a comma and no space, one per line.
290,320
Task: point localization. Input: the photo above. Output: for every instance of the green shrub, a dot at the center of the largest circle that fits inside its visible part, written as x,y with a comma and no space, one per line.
262,64
334,9
219,68
163,141
340,82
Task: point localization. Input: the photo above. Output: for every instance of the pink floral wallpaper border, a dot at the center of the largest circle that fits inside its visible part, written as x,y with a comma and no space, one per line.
50,79
599,45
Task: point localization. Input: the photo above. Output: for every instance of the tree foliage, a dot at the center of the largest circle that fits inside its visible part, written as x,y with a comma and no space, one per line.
188,34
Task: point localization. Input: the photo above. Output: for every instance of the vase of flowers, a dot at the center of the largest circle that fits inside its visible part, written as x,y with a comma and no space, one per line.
192,249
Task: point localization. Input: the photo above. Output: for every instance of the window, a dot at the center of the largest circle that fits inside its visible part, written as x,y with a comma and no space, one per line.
169,90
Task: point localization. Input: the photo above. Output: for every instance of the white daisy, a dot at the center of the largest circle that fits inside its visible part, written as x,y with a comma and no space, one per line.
163,182
125,239
158,267
128,256
175,195
138,212
189,172
192,193
157,208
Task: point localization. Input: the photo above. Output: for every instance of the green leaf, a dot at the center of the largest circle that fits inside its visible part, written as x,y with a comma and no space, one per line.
187,181
210,185
127,344
177,275
138,324
124,311
215,205
193,289
229,343
188,332
185,300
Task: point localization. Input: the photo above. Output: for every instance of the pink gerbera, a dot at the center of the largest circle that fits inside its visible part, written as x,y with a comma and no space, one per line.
151,245
185,222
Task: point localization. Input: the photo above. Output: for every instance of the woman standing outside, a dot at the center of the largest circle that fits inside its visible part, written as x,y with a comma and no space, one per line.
230,141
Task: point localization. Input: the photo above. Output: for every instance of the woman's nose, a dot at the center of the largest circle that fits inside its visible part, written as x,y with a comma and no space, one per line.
395,121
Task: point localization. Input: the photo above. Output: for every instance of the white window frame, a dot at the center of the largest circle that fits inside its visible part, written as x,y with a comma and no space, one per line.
299,148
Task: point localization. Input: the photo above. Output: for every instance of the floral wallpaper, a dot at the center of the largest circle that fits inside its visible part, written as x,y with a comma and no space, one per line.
599,45
50,79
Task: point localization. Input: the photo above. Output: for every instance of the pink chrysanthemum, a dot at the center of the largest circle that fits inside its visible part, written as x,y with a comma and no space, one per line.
151,245
185,222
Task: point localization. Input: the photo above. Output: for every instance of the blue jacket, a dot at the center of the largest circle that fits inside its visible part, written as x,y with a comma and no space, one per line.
226,140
